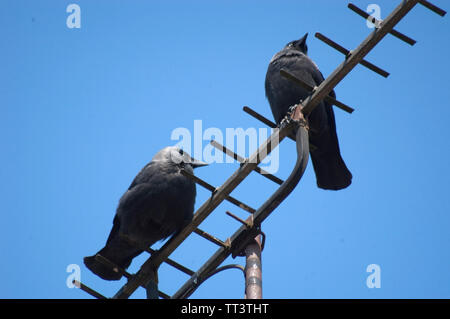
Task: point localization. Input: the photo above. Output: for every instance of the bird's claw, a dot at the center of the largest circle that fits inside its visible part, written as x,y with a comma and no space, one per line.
289,118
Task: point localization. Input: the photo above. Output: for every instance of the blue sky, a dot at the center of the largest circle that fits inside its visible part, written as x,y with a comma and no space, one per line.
83,110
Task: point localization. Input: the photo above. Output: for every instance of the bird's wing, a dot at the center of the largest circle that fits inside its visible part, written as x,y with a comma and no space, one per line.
318,76
145,175
144,198
318,79
114,230
152,209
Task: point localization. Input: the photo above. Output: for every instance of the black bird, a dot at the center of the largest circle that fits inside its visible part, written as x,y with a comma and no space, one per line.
158,203
331,171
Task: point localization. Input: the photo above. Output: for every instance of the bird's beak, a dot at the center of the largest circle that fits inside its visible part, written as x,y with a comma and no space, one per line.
302,41
195,163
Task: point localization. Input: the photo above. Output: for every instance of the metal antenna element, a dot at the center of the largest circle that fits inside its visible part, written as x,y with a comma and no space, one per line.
376,22
346,52
309,88
241,160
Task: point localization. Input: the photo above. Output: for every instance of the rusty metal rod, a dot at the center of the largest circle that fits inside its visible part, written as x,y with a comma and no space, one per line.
375,21
346,52
154,285
88,290
241,160
213,189
211,238
174,264
432,7
309,88
149,250
263,119
403,37
247,223
163,295
260,118
271,124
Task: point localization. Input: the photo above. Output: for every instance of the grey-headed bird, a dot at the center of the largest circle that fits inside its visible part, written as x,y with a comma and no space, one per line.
158,203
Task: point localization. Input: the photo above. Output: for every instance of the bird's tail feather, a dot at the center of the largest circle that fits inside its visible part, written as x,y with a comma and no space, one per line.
331,171
118,253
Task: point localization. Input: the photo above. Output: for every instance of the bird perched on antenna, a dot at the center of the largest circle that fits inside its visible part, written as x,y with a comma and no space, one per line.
158,203
330,169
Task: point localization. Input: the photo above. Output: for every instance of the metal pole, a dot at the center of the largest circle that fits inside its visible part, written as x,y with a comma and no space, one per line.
253,270
152,285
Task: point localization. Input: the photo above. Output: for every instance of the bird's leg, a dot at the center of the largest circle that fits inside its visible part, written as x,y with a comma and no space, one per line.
295,114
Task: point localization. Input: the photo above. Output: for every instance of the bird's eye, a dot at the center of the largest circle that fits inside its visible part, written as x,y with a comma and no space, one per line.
181,152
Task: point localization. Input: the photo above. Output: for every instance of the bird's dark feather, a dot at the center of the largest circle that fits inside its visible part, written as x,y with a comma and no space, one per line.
331,171
159,203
